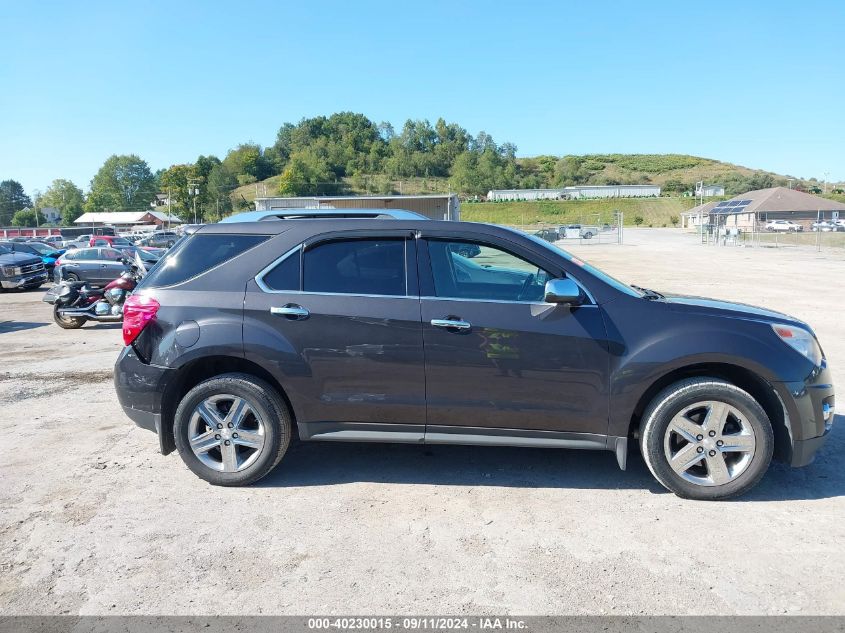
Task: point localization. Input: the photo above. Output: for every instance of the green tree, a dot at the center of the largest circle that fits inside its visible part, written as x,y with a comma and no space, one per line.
306,174
12,199
247,159
174,181
123,183
570,171
221,183
66,197
638,219
28,217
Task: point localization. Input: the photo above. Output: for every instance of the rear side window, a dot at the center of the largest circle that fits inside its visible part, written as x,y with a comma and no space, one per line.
365,266
197,255
285,275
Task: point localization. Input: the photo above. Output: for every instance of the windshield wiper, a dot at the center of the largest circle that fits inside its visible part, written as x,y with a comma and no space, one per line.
651,295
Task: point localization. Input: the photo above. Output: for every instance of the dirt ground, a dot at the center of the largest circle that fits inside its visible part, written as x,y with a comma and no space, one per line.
94,521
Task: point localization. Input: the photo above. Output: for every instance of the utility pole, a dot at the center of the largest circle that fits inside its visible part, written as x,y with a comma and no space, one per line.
194,191
826,174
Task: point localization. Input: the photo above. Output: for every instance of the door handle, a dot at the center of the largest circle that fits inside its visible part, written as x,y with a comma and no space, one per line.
291,311
451,324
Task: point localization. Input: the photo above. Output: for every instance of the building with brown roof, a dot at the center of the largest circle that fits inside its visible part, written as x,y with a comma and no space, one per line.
764,205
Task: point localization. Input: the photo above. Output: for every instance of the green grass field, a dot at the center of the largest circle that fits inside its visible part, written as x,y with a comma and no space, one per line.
654,211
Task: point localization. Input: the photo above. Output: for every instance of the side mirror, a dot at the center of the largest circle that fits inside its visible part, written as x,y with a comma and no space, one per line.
562,291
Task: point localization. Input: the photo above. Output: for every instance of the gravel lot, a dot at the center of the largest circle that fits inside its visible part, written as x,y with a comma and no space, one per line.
94,521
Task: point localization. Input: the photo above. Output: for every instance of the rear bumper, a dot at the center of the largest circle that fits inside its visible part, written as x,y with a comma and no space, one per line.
140,390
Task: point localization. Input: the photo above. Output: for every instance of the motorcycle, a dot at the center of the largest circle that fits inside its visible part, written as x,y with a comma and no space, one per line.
75,302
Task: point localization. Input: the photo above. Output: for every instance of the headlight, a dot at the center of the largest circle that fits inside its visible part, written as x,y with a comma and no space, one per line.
9,271
801,341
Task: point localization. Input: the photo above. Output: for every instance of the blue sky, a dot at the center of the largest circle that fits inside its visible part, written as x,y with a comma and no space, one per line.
761,85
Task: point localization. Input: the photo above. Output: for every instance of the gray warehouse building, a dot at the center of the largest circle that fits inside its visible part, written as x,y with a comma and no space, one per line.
435,207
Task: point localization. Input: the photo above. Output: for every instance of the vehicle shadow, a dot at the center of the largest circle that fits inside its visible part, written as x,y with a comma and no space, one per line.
18,326
103,326
326,463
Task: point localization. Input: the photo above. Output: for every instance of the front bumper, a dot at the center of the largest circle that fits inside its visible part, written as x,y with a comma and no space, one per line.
140,390
809,405
25,281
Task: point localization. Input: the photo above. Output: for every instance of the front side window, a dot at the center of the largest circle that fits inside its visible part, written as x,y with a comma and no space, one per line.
361,266
467,270
110,253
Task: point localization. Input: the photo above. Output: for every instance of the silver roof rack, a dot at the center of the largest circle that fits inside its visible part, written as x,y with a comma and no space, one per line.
308,214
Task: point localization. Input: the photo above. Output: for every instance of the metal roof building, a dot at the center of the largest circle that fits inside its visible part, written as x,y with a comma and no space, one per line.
435,207
127,219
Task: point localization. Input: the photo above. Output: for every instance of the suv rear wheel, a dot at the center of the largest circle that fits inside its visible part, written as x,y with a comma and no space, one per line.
705,438
233,429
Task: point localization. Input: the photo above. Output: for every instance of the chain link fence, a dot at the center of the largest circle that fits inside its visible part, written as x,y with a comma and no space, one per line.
821,235
588,231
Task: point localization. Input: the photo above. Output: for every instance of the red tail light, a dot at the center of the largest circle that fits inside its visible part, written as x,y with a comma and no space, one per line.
137,312
59,261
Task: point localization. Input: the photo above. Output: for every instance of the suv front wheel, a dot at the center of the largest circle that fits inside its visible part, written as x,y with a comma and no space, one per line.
705,438
232,430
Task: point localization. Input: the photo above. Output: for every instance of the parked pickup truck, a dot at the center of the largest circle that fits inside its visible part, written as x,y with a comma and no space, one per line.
20,270
578,231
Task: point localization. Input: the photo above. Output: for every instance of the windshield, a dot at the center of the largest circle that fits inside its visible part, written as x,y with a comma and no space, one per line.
595,272
41,248
4,250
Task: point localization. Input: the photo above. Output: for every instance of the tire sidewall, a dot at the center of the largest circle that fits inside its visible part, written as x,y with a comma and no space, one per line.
671,401
260,401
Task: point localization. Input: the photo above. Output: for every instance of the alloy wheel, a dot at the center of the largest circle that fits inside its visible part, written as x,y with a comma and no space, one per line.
709,443
225,433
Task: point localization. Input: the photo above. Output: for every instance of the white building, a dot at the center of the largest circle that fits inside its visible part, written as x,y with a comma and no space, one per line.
708,191
51,214
524,194
575,193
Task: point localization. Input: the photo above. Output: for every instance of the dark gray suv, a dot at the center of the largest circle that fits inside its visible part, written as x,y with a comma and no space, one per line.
436,332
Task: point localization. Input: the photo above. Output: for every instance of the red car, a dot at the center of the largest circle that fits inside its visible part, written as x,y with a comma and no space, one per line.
114,241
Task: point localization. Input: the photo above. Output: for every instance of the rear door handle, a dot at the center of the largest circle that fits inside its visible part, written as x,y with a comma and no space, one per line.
291,311
451,324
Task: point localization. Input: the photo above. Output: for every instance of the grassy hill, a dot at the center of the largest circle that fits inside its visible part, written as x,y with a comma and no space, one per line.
675,172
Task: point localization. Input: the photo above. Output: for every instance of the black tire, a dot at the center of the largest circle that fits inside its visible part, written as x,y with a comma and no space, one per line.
71,277
67,323
671,401
588,235
264,400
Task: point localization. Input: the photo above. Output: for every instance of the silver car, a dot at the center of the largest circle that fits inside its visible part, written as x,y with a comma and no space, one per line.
96,265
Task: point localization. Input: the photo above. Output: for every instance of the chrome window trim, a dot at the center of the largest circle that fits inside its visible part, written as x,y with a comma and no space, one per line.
524,303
